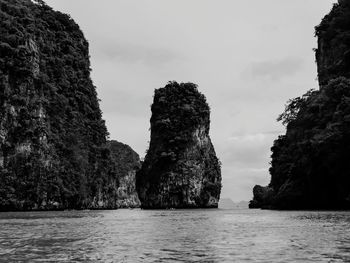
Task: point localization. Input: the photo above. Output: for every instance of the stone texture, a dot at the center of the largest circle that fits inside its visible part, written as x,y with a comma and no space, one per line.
180,169
126,163
53,147
333,52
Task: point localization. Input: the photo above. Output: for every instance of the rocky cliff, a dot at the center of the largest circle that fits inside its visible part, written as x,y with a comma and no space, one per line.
126,163
53,151
180,169
309,168
333,52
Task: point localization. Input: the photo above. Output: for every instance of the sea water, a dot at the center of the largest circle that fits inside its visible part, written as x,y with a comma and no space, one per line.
213,235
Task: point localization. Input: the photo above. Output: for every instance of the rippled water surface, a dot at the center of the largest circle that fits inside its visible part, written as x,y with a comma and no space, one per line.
175,236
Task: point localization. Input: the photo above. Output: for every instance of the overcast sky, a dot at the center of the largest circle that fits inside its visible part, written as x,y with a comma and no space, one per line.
248,58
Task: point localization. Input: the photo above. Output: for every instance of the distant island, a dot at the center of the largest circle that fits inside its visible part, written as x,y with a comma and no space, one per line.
227,203
310,167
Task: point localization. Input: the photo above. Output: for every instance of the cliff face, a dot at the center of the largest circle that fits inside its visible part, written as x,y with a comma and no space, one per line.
180,169
53,152
309,167
126,163
333,52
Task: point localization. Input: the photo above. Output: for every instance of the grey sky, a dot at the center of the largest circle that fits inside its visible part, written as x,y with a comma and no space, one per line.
248,58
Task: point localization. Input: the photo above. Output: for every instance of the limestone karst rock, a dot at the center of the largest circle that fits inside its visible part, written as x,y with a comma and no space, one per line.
53,149
333,51
262,196
126,163
180,169
310,167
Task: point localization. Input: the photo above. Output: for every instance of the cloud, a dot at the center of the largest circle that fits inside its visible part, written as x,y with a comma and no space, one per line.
253,137
270,28
247,61
274,69
125,103
135,53
240,182
250,152
246,162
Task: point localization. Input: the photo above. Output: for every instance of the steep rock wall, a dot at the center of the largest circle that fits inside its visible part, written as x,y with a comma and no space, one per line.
180,169
333,52
126,163
309,167
53,152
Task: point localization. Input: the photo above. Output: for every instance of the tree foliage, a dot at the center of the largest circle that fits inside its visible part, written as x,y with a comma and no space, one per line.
293,107
180,151
333,52
309,168
52,135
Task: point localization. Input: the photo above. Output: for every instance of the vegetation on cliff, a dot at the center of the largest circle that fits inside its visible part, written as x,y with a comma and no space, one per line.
333,52
53,152
309,167
125,164
180,168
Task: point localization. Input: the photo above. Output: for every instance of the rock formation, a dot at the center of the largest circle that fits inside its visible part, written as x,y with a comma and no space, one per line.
53,151
262,196
126,163
309,168
180,169
333,53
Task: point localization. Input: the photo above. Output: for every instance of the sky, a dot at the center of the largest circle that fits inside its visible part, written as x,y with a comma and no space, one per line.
247,57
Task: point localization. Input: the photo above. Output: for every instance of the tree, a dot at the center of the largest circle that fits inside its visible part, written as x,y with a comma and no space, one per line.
293,107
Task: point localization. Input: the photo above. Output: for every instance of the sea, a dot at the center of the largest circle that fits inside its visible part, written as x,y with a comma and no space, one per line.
214,235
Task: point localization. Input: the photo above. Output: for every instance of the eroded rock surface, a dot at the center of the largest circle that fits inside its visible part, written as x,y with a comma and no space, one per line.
126,163
333,52
53,151
181,169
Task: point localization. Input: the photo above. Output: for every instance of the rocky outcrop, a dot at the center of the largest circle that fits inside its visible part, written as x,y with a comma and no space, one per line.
53,151
126,163
309,167
333,52
180,169
262,197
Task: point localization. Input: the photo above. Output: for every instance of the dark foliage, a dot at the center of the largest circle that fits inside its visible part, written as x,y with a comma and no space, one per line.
309,167
125,164
180,151
263,196
177,110
53,139
125,159
292,108
333,53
